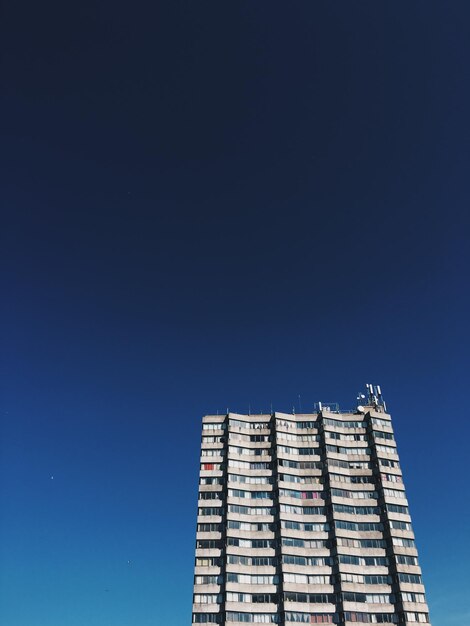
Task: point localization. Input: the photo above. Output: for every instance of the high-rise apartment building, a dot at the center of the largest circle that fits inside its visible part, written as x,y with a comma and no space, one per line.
304,519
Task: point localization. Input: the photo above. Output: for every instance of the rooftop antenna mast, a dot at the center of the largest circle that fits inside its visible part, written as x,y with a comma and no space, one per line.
375,397
380,398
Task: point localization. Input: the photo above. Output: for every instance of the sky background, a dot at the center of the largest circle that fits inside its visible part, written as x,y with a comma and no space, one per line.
210,205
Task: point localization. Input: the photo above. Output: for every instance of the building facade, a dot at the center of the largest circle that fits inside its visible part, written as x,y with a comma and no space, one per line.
304,519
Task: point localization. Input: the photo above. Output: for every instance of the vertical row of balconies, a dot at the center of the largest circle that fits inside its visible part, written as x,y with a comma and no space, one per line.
251,503
304,538
359,550
210,545
411,606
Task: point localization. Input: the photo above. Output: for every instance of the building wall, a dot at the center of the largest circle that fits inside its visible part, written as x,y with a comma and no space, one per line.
304,519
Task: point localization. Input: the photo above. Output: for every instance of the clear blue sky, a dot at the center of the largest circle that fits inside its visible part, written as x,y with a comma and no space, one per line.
211,205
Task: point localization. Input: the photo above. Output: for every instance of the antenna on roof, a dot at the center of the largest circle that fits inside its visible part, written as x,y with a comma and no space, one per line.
360,401
375,397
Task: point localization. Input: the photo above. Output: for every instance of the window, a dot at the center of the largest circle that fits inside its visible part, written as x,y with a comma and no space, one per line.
300,464
209,528
391,478
316,598
249,425
207,598
352,479
310,579
414,579
389,463
303,510
237,450
367,579
207,544
394,493
296,578
359,526
304,495
413,597
207,618
361,543
371,618
214,426
257,561
356,510
291,559
262,526
347,577
404,543
210,495
380,422
216,452
210,511
343,437
250,480
294,437
253,510
257,618
208,561
304,543
211,480
370,598
258,598
311,618
320,527
396,508
422,618
381,435
348,559
377,580
327,421
289,478
212,439
252,579
208,580
298,451
386,449
349,451
246,465
251,543
233,436
358,495
403,559
259,495
400,525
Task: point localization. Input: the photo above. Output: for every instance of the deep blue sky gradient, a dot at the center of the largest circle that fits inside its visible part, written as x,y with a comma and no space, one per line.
211,205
